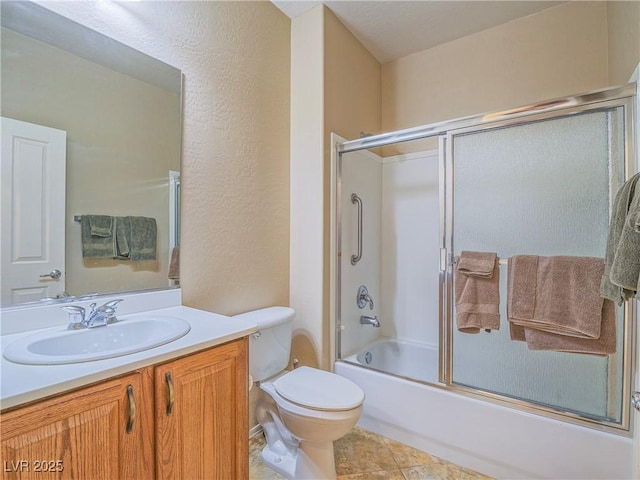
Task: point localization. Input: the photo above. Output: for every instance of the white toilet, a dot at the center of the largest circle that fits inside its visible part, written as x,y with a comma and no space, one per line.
304,410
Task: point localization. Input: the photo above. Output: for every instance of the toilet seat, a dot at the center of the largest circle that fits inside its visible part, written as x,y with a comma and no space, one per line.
319,390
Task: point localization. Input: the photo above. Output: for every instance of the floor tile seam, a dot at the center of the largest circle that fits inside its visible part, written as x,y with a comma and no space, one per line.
387,441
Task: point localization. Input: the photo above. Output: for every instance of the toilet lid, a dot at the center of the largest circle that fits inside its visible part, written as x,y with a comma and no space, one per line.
319,389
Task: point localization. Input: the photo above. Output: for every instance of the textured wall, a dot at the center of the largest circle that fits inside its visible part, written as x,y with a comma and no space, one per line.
335,88
623,19
235,57
559,51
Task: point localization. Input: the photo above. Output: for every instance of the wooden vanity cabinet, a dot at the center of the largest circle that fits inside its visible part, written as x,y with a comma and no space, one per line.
83,434
187,419
202,429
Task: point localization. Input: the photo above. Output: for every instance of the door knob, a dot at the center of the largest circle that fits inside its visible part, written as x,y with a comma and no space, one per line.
55,274
635,400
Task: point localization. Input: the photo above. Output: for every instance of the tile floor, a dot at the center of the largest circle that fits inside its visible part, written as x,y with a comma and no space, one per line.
362,455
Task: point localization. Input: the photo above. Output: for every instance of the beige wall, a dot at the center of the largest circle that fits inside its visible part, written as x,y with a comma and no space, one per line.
307,195
335,88
624,40
117,161
235,57
353,94
556,52
236,165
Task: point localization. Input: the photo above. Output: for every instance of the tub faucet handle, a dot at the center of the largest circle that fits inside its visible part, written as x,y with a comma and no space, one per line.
364,298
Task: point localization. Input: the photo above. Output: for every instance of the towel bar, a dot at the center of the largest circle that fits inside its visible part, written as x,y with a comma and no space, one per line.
500,261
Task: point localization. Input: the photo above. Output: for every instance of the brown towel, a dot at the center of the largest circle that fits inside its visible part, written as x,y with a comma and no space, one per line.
174,264
516,332
477,294
605,345
477,264
556,294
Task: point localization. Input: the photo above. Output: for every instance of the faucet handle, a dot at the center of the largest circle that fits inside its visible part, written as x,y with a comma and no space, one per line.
76,316
113,303
109,309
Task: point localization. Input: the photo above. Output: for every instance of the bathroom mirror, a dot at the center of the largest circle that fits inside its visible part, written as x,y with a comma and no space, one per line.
121,113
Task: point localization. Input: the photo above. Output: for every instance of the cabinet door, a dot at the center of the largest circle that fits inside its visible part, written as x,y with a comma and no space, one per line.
202,415
82,434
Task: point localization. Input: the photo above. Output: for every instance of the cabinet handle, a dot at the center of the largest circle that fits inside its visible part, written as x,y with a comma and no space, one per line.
170,393
132,409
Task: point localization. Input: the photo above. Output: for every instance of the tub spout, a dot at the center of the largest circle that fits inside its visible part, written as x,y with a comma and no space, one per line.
367,320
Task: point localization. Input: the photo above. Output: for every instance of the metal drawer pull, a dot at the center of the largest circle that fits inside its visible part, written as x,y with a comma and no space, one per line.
355,199
132,409
170,393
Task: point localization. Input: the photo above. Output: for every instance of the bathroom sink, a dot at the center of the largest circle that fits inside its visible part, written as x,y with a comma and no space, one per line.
54,347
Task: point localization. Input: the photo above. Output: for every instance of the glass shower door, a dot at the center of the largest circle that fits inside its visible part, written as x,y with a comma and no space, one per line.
544,187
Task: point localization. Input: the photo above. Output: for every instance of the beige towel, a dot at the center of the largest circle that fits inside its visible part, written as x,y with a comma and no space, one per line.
477,264
556,294
605,345
516,332
477,295
174,264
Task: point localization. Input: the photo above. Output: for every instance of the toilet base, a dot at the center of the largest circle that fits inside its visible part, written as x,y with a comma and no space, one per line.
310,462
285,464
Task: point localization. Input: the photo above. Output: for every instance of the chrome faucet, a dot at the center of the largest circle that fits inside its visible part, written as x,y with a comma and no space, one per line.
363,297
97,317
373,321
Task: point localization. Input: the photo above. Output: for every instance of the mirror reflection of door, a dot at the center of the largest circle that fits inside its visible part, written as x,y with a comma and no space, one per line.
33,211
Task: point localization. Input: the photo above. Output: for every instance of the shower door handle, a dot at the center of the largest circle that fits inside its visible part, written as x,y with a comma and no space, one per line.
356,200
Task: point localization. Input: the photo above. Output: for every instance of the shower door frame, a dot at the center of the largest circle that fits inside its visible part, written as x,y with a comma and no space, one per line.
446,287
618,96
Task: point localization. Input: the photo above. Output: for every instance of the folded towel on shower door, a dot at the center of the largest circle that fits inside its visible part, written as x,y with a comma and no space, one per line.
477,264
556,294
477,292
604,345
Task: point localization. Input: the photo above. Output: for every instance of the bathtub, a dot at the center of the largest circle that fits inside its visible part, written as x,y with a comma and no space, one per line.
493,439
412,360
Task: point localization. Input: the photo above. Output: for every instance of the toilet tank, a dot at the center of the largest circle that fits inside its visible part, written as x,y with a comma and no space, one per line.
270,347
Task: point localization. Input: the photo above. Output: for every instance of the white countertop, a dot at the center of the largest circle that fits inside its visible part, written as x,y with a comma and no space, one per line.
25,383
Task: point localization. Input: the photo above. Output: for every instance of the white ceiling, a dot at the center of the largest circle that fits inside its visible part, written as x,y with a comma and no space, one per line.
392,29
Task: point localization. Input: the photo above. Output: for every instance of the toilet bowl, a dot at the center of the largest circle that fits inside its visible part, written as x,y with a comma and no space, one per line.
302,412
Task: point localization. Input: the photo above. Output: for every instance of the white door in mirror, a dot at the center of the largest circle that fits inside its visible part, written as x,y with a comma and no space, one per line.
33,211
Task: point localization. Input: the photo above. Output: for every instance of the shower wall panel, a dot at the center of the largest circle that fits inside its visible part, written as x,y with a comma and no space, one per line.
410,246
361,173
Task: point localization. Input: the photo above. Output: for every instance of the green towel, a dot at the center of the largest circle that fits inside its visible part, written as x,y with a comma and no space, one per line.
101,225
122,238
622,258
97,236
142,238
